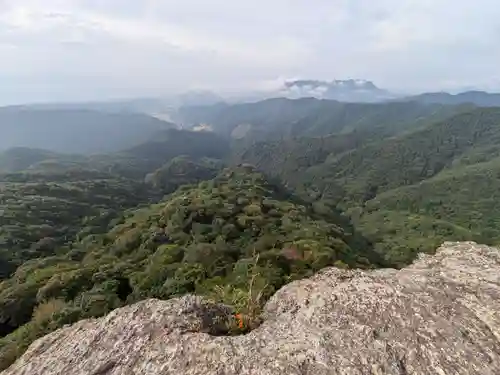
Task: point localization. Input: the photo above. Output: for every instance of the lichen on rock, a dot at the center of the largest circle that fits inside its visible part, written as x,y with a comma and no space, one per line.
439,316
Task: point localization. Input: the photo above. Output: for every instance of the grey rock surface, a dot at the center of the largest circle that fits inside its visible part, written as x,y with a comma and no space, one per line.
439,316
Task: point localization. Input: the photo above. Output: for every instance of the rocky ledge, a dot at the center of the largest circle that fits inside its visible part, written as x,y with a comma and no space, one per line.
439,316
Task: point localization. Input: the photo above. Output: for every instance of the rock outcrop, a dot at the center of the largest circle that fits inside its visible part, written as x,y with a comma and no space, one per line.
439,316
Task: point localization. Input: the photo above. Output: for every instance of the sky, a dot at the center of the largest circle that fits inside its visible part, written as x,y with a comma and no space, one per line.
70,50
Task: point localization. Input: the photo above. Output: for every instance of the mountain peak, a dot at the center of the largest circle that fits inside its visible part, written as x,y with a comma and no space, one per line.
349,83
350,90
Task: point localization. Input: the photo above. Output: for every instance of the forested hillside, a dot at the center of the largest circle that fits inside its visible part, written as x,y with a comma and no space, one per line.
301,185
411,158
183,170
42,218
49,201
169,144
461,202
278,118
407,193
220,238
135,161
75,131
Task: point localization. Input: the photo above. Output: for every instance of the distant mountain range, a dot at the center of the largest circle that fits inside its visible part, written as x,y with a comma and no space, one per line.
161,107
364,91
75,130
352,90
283,118
479,98
169,108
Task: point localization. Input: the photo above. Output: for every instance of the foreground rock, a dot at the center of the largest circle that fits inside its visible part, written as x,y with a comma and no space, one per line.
439,316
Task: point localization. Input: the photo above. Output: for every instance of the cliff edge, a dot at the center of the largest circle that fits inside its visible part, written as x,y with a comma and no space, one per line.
439,316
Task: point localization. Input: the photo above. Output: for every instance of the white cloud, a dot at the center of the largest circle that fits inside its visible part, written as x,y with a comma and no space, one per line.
57,49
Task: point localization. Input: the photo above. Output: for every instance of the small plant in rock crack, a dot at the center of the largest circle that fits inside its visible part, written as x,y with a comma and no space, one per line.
247,300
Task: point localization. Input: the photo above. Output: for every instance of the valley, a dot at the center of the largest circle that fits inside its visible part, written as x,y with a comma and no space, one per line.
276,191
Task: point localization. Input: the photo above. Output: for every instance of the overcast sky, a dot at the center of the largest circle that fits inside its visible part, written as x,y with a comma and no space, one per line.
82,49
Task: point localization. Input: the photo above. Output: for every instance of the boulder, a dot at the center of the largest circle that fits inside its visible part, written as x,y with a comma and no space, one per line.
439,316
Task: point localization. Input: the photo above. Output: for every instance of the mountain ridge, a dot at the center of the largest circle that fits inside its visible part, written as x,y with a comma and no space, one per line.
479,98
352,171
277,191
203,238
282,117
75,130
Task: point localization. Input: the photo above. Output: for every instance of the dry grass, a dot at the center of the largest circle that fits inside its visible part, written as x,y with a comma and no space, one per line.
46,310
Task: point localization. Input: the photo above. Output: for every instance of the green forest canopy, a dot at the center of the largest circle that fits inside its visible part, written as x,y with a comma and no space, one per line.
322,184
